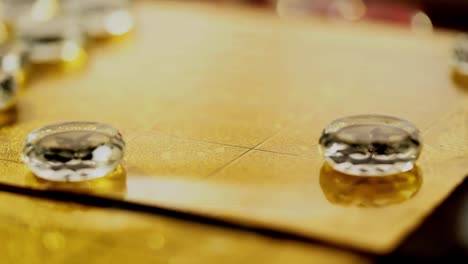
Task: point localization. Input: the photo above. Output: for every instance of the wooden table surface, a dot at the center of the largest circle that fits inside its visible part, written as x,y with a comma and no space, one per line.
221,110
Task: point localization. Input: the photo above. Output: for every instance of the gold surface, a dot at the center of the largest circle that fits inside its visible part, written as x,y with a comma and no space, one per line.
40,231
222,110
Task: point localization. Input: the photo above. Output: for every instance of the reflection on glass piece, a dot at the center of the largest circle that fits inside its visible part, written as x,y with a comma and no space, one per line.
73,151
114,184
8,91
119,22
14,57
102,18
53,41
460,55
11,62
343,189
371,145
70,51
421,23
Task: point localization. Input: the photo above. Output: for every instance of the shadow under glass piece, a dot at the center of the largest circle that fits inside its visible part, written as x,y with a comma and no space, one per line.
53,41
8,91
371,145
73,151
348,190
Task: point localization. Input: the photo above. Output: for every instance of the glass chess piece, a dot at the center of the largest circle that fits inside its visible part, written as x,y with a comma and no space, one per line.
57,40
101,18
371,145
73,151
14,57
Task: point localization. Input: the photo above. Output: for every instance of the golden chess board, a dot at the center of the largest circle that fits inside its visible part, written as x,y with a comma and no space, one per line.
222,110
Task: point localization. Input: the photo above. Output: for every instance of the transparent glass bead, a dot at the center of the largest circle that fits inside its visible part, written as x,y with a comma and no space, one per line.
8,90
56,40
101,18
73,151
371,145
460,54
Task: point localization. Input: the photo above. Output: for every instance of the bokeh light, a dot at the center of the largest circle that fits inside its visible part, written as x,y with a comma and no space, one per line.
119,22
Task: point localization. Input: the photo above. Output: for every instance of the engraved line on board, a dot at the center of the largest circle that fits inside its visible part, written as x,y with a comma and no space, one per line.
243,154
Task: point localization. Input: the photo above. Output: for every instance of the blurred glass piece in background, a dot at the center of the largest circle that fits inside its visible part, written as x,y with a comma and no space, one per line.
13,56
292,8
421,23
460,55
38,10
57,40
14,59
8,91
101,18
351,10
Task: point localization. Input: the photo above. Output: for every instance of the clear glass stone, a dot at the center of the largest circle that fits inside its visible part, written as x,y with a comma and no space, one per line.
56,40
460,54
8,91
101,18
73,151
371,145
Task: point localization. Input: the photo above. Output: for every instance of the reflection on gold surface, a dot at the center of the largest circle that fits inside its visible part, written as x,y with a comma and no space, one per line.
113,184
53,240
8,117
21,78
74,59
343,189
460,79
4,32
